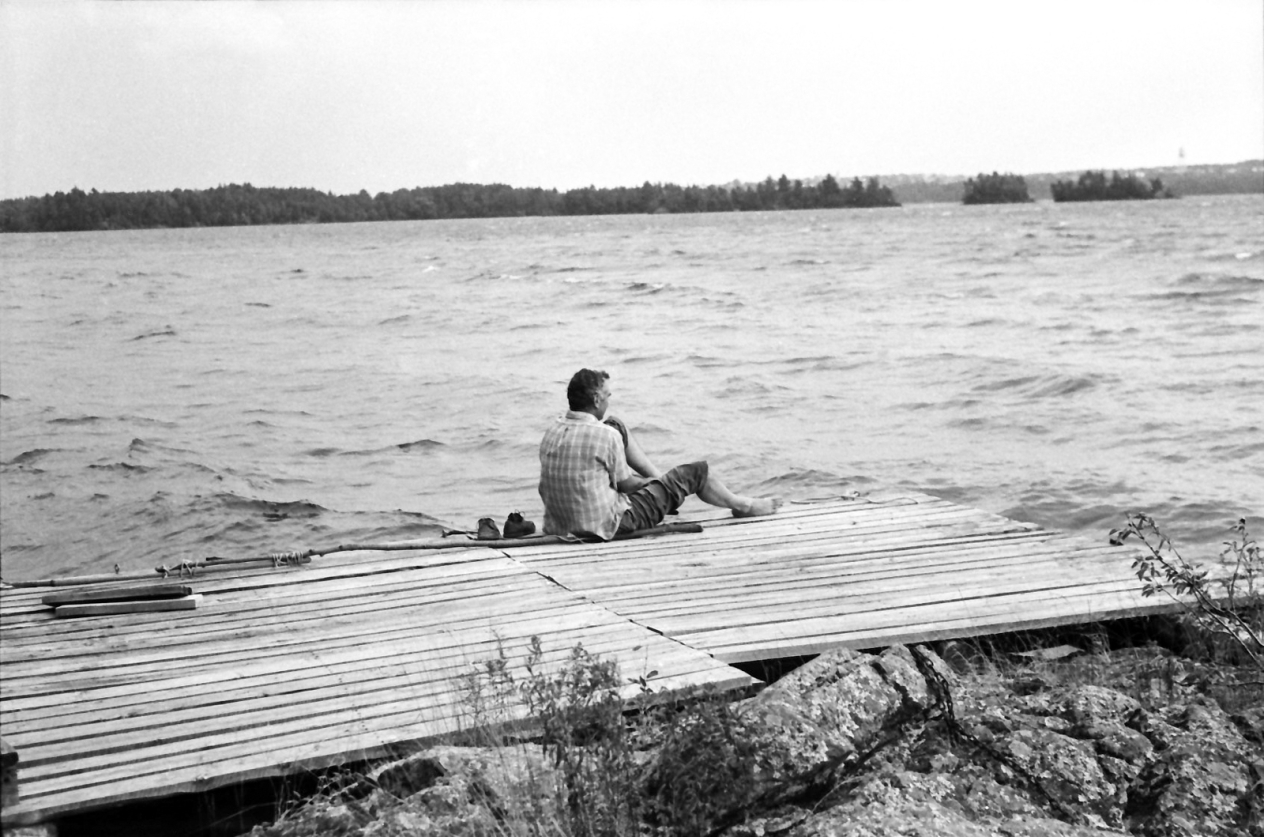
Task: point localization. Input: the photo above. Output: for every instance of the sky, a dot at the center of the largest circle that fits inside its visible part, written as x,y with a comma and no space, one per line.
344,96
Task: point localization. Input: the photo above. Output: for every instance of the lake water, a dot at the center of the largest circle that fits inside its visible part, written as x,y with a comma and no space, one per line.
172,394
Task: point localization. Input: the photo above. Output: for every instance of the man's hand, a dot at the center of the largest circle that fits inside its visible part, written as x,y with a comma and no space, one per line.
632,484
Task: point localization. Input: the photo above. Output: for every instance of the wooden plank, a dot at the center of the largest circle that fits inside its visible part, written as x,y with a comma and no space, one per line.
121,670
686,578
353,565
225,620
774,531
117,594
780,557
103,736
844,608
213,769
96,727
453,652
940,620
400,610
281,585
767,602
68,611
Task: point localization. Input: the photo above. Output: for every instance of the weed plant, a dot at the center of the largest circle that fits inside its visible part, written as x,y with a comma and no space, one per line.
625,760
1226,612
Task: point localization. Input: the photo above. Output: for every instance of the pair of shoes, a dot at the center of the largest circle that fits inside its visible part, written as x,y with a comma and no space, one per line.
487,530
516,527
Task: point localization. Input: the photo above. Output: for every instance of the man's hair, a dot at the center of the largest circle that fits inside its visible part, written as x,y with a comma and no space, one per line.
582,391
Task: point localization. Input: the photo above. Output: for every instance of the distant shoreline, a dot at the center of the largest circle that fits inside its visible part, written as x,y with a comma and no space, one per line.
247,205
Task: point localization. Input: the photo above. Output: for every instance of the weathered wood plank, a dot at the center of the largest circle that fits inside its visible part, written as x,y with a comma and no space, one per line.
122,593
689,576
214,768
71,611
943,620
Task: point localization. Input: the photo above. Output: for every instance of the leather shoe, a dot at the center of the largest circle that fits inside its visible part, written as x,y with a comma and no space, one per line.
487,530
516,527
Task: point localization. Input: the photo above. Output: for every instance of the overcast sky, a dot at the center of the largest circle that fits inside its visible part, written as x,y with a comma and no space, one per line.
344,96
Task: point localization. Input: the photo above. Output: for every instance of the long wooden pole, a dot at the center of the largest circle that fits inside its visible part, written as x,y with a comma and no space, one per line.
278,559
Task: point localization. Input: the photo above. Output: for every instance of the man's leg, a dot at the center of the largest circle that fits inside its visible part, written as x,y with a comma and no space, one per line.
716,493
651,503
663,496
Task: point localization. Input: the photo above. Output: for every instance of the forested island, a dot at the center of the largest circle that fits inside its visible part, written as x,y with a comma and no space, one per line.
1241,178
239,205
996,188
1093,186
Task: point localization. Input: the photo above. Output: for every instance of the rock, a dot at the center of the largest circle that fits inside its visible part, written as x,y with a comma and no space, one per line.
828,712
953,805
1200,781
1068,771
1250,722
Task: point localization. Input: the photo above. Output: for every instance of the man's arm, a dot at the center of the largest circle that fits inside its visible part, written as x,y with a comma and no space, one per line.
632,484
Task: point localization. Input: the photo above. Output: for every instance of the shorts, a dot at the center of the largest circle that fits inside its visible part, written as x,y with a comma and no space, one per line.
663,495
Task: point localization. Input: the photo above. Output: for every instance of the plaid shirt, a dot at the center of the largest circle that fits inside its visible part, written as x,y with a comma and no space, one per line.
581,464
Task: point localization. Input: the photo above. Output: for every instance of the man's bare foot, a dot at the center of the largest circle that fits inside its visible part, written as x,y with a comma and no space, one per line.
758,507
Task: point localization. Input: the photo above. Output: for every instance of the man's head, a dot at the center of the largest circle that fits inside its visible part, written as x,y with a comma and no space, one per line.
587,392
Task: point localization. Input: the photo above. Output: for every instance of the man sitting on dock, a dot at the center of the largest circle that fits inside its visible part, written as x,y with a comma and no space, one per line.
596,480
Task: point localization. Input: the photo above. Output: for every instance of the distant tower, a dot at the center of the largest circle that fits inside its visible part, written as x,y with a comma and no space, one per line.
1181,154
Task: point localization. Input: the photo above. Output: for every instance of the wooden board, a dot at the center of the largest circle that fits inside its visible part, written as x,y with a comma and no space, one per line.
117,593
111,608
857,573
288,669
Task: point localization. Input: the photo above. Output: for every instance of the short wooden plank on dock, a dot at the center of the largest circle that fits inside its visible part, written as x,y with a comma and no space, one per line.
157,605
862,573
286,669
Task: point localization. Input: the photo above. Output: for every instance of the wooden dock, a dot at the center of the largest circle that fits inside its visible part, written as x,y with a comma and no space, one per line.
864,573
359,654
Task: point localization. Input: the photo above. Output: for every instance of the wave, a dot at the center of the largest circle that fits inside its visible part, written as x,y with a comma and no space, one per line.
707,362
1221,280
821,363
1210,288
1043,386
164,332
28,457
419,445
267,509
121,467
812,482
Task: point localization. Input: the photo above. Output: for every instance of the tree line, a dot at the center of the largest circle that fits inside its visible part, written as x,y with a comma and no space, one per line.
237,205
1093,186
996,188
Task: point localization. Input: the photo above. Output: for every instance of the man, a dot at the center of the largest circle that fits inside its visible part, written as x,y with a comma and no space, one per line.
596,480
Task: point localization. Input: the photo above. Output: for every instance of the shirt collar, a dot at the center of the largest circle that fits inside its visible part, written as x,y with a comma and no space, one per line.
579,415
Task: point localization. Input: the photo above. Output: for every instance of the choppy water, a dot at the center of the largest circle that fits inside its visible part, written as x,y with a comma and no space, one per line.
170,394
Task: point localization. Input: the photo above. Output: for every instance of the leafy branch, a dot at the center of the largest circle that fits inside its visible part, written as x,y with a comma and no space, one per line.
1161,569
